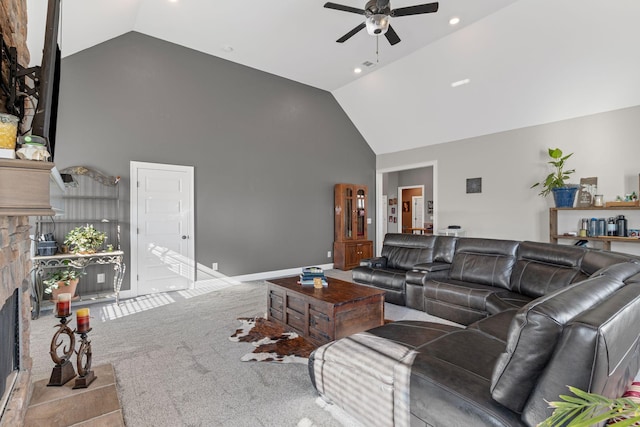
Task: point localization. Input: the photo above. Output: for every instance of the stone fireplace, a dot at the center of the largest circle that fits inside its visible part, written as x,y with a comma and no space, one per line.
24,192
15,305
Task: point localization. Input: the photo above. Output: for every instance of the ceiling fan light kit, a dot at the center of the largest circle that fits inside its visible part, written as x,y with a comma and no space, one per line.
377,24
377,14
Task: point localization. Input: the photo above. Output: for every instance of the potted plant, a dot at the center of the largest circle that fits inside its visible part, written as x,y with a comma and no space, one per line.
585,409
62,281
85,239
563,194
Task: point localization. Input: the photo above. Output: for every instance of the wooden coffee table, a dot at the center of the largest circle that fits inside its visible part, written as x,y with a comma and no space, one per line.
327,314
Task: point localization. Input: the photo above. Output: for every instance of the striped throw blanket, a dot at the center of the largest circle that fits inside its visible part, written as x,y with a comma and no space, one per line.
368,377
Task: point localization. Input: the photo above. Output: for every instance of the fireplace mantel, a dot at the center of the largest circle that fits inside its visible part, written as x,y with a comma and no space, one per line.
24,188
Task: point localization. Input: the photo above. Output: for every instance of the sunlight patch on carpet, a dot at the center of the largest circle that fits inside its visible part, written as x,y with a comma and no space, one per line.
338,413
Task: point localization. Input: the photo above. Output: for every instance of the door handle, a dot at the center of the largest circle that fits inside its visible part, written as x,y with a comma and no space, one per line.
185,237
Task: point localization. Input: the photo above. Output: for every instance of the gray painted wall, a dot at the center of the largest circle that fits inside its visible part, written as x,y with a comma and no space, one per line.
266,150
604,145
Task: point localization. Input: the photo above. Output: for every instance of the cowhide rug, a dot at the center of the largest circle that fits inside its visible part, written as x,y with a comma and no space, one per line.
272,342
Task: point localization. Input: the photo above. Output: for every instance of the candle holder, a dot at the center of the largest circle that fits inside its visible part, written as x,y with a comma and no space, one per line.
63,370
85,374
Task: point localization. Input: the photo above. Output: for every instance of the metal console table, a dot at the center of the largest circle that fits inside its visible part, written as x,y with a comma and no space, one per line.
78,261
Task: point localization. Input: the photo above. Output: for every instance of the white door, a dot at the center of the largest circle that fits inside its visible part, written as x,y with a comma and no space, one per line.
162,244
418,212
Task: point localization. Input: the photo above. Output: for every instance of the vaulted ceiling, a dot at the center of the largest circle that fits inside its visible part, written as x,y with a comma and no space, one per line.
527,62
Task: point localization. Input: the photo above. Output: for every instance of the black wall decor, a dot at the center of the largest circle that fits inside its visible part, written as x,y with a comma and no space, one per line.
474,185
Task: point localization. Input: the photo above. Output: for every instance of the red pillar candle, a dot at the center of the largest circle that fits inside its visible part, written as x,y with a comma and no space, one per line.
63,305
82,320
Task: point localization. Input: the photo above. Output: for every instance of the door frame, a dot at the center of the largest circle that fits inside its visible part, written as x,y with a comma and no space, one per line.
134,166
379,204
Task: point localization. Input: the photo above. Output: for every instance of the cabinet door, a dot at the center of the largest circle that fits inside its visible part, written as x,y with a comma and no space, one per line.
360,214
344,205
352,256
366,251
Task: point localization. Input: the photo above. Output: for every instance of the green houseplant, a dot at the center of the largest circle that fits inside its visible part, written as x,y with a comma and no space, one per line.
585,409
62,281
85,239
563,193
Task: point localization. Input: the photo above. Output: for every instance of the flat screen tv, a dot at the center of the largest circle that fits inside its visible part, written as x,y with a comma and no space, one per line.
46,115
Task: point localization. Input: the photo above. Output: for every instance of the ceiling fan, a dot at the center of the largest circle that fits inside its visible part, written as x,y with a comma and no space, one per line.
377,14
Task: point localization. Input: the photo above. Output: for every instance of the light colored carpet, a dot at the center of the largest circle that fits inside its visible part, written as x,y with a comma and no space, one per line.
175,364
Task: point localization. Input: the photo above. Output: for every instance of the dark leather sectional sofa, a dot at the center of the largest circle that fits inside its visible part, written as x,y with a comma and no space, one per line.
535,317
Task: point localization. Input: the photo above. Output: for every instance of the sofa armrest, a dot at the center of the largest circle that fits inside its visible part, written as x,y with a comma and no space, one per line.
376,262
430,267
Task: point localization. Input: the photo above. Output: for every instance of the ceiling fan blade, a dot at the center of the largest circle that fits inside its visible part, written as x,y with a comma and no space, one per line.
392,36
351,33
344,8
415,10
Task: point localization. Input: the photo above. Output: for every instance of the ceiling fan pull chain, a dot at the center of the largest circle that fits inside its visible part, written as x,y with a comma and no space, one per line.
377,45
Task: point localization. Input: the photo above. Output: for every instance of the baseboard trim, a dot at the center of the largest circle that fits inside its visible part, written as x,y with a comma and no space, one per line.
254,276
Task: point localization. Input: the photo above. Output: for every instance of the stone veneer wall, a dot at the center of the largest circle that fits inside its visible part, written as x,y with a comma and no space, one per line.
15,265
13,26
15,244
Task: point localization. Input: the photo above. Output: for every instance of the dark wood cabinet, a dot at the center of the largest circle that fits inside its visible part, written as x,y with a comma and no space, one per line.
347,255
350,226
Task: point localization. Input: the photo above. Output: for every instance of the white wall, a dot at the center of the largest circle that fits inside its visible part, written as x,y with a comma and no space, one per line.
605,145
531,63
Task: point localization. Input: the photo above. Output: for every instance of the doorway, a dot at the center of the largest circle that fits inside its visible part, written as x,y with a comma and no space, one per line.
392,211
162,218
411,218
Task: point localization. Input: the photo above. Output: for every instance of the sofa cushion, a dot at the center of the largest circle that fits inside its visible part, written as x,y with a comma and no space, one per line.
362,274
452,312
389,280
497,325
533,335
626,271
598,352
542,268
450,386
403,251
484,261
465,294
413,333
444,249
500,301
595,260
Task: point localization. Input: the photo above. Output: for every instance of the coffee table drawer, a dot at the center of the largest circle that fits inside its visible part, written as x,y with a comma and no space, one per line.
295,320
295,303
321,322
276,305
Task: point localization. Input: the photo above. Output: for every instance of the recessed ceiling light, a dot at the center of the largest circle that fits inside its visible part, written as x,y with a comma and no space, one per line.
460,82
173,1
357,70
454,21
227,48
